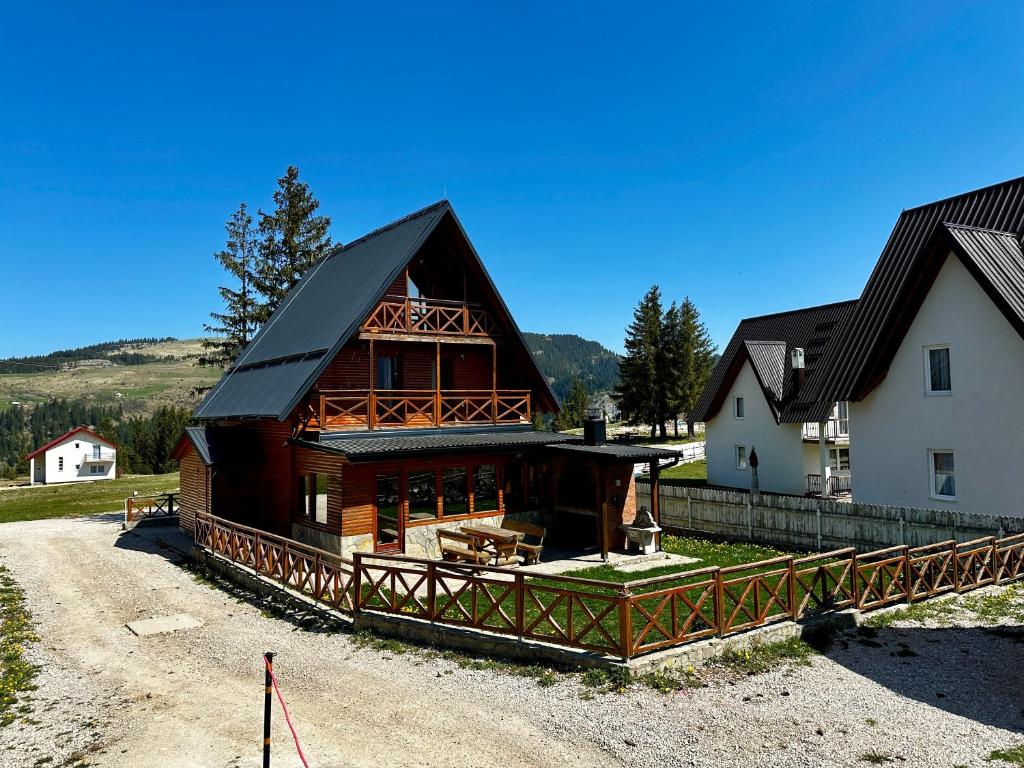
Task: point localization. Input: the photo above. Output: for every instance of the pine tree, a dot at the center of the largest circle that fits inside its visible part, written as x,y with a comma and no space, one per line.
236,325
639,370
293,239
539,422
696,354
574,408
672,365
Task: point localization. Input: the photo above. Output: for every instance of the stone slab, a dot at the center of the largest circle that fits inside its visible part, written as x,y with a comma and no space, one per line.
161,624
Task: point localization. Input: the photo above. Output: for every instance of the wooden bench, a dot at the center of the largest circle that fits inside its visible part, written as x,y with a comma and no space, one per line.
531,547
458,547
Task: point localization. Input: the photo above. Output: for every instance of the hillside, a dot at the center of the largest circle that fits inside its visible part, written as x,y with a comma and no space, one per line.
139,375
563,356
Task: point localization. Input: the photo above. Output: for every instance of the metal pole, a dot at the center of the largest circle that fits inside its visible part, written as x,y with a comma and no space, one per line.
268,683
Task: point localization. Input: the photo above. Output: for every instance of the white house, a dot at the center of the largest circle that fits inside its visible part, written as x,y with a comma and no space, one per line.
751,406
74,457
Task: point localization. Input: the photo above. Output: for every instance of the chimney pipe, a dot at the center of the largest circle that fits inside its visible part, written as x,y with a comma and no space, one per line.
594,427
796,359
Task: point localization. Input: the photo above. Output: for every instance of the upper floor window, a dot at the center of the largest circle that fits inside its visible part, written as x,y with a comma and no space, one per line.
943,475
738,408
741,457
938,380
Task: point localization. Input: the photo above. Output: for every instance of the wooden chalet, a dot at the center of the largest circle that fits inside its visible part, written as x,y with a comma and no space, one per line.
391,394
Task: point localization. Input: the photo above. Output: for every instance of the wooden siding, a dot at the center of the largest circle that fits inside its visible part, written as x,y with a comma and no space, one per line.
350,369
257,486
195,489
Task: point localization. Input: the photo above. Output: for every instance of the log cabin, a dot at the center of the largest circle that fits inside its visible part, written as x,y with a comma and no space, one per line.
391,395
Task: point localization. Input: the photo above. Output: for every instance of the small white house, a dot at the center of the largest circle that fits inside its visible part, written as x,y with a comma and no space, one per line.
74,457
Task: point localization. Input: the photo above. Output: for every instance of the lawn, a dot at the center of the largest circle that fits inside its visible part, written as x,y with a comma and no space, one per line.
695,472
72,499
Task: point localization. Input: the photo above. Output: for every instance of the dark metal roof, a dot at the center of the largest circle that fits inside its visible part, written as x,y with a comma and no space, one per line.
615,451
769,337
324,310
197,436
858,358
376,446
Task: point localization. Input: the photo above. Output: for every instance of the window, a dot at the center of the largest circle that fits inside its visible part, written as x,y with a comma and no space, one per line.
943,478
485,488
938,380
313,497
738,407
387,509
422,484
60,463
455,494
96,452
839,458
741,457
76,446
96,470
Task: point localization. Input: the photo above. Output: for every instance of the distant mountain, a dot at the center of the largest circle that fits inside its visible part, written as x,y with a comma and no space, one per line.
121,352
562,356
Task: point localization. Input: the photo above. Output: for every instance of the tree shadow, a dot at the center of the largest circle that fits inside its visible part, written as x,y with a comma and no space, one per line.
974,672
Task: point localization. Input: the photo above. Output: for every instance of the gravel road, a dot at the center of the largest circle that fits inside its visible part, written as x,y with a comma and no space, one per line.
943,696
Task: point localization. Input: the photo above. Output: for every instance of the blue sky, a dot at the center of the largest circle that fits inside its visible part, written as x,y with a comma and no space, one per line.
754,157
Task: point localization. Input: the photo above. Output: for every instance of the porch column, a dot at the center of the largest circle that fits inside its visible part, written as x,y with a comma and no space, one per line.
655,467
602,505
823,460
32,471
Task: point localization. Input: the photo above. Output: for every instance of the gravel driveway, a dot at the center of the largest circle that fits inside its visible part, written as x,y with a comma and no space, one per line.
916,695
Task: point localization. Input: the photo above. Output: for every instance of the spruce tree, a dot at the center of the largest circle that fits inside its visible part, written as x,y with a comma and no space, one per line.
672,366
637,391
236,325
697,356
574,408
293,239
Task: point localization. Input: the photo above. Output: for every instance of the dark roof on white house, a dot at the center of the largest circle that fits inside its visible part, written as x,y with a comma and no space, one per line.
982,227
766,342
324,310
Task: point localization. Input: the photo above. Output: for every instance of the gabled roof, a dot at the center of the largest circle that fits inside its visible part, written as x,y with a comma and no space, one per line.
982,227
196,437
326,308
766,342
65,436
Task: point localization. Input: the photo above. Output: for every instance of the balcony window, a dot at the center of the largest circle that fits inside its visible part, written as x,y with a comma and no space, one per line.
387,373
422,485
938,377
455,491
485,488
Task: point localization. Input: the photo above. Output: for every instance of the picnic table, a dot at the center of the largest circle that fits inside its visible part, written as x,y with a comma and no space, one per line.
501,541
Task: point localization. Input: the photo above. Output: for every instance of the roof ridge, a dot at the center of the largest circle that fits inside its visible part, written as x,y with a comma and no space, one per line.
801,309
763,341
392,225
963,194
1003,232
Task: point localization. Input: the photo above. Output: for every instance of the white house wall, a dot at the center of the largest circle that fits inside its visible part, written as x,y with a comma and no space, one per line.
779,446
893,428
76,469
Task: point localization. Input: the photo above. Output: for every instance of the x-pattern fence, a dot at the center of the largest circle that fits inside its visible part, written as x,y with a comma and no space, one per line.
142,507
619,620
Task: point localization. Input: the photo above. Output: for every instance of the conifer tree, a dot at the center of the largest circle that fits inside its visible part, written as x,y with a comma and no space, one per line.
293,239
672,366
696,356
639,370
236,325
574,409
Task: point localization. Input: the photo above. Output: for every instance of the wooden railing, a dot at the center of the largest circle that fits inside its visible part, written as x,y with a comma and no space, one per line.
612,619
143,507
435,317
360,409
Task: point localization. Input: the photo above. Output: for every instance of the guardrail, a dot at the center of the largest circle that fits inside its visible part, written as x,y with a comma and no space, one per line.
145,507
430,316
618,620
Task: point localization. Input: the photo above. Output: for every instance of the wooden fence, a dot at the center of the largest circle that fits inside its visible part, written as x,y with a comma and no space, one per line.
612,619
144,507
797,522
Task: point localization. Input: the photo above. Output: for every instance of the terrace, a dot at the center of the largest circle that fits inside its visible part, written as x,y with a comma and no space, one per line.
371,409
399,315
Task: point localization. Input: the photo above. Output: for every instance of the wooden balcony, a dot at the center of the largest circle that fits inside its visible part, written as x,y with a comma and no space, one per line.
360,409
430,317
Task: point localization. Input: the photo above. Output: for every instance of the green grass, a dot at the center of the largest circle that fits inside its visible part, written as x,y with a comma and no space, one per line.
72,499
876,758
1013,755
693,471
16,632
765,656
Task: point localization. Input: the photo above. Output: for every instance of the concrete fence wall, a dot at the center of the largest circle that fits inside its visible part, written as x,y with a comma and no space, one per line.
802,523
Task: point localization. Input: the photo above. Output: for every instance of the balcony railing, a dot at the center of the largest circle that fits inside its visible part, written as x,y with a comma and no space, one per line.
835,429
436,317
99,456
838,485
359,409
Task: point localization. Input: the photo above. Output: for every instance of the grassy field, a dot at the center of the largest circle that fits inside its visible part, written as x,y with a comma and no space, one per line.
693,470
143,388
72,499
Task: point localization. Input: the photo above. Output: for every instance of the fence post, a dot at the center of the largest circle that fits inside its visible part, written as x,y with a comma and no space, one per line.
907,580
431,590
625,624
994,562
520,605
794,602
286,570
719,603
258,559
854,579
750,520
817,516
956,568
689,512
316,576
357,581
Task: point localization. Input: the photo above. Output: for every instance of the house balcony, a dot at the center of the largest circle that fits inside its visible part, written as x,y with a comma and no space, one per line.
385,409
429,317
836,431
103,456
840,484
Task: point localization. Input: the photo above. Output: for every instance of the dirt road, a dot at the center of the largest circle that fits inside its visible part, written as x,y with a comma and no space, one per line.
194,697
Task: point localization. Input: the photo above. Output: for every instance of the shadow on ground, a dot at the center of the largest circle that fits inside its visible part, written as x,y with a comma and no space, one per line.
974,672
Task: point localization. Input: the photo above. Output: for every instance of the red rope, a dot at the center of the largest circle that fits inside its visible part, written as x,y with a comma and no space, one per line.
287,719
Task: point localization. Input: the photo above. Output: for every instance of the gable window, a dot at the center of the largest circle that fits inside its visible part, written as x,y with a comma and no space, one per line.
938,379
943,475
741,457
738,408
